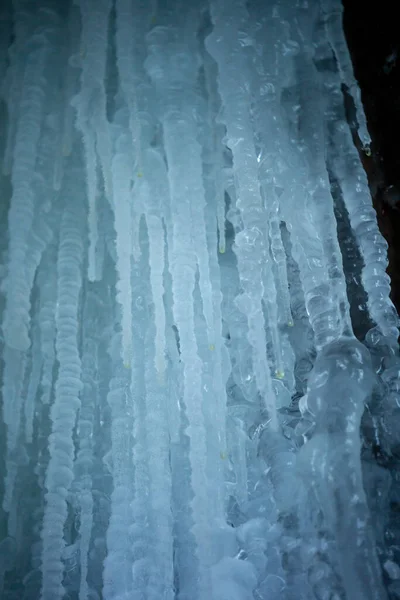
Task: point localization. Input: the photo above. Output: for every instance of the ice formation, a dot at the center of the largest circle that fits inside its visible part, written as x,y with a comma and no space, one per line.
199,354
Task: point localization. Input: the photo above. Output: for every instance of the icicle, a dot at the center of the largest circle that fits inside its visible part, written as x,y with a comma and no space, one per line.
63,412
34,382
156,233
174,373
117,565
122,219
103,227
333,10
310,173
184,170
313,133
219,363
268,81
250,242
23,202
70,82
160,584
47,280
92,187
199,238
196,210
140,534
83,467
183,285
130,24
90,104
153,202
281,278
353,182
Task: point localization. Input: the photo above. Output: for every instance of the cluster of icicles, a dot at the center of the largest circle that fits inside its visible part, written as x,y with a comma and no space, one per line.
181,195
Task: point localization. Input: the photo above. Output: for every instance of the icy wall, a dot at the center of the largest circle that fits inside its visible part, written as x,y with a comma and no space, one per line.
199,353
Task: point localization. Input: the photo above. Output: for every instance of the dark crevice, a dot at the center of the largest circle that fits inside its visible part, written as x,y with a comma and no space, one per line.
372,35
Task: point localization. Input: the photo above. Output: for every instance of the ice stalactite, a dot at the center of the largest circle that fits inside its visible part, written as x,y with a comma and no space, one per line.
90,105
32,107
73,56
66,403
84,459
153,201
117,565
250,244
122,215
172,65
333,19
161,578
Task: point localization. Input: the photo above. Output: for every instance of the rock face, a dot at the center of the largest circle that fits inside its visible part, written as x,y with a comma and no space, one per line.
372,35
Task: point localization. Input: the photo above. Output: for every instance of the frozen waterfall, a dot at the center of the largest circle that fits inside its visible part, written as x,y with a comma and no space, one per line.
200,367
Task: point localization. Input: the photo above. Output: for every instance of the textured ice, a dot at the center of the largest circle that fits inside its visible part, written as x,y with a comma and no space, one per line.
200,367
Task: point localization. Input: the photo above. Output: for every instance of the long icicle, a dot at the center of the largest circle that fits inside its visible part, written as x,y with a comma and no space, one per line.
33,104
90,105
250,244
184,160
59,474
